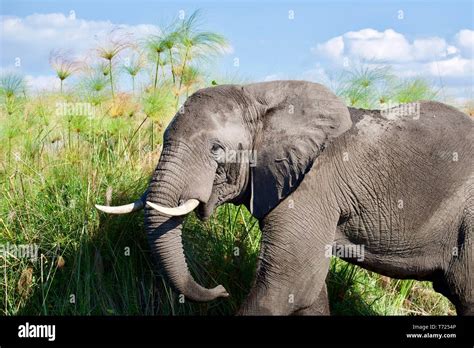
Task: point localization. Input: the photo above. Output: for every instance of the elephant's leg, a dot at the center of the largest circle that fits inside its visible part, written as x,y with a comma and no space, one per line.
458,283
294,259
318,307
458,288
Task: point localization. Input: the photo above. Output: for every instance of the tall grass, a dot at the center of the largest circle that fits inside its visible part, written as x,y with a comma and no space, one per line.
134,64
12,92
195,44
63,65
370,87
116,42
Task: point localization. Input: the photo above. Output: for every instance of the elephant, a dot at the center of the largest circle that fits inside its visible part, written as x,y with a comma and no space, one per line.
321,177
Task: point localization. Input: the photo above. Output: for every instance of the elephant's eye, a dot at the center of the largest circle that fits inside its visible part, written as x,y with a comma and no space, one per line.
218,152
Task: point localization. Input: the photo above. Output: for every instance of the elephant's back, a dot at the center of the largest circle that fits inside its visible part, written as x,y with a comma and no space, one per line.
425,118
402,173
440,114
431,137
436,124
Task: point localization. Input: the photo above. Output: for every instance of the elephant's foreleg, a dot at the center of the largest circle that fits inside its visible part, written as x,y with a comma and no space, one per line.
319,307
294,258
455,281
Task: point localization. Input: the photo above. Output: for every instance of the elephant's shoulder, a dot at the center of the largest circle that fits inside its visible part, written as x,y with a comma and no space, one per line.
358,114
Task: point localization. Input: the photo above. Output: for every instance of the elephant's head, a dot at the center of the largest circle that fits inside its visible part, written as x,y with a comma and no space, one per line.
248,145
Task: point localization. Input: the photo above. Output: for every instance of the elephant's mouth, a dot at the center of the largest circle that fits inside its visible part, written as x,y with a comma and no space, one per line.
206,209
221,194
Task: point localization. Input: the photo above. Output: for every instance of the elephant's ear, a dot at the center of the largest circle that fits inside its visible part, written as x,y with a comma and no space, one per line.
299,119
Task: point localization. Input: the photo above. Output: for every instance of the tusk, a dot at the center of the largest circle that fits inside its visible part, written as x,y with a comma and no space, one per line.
122,209
183,209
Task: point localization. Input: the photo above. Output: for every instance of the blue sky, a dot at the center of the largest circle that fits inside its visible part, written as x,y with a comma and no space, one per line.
434,39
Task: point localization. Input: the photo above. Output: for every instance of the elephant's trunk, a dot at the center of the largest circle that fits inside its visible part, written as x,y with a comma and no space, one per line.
164,234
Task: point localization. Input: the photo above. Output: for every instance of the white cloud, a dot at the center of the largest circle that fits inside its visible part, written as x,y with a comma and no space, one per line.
332,48
430,55
364,34
451,50
370,44
387,46
42,83
31,38
427,49
40,28
453,67
465,39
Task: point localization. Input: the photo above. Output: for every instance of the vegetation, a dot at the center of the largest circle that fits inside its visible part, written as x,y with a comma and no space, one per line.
12,89
377,87
110,49
63,65
134,65
63,152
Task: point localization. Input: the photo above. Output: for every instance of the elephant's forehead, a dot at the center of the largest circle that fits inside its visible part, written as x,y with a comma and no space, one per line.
188,124
227,132
205,127
204,116
192,122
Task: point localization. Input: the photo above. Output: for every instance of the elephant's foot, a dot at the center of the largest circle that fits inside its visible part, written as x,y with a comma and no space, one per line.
319,307
263,301
457,285
465,310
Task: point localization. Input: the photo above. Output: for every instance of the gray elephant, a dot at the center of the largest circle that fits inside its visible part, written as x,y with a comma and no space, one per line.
398,185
